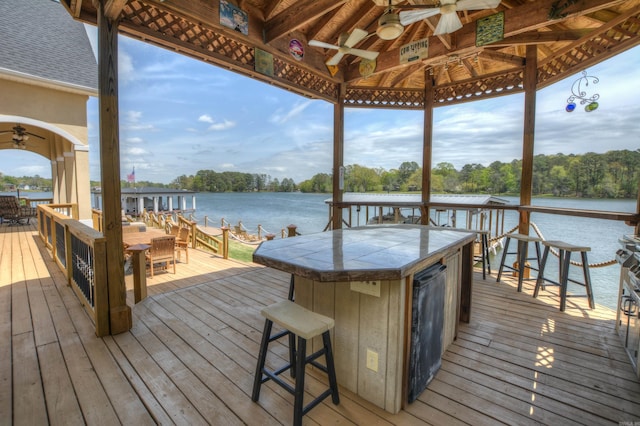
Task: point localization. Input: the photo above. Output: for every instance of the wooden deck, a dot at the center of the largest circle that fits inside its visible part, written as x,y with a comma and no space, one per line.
191,355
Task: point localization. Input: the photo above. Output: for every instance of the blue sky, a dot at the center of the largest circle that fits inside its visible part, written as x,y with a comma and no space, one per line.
179,115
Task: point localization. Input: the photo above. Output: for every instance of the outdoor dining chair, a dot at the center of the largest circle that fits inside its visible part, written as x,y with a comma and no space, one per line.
162,250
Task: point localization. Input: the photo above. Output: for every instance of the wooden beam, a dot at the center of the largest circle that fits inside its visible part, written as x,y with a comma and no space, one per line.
526,181
119,312
536,37
502,57
270,8
427,144
523,19
113,8
296,16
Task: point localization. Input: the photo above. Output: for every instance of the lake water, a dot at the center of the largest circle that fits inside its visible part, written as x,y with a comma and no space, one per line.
274,211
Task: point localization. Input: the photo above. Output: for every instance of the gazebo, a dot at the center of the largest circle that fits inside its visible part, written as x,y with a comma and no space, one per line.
425,54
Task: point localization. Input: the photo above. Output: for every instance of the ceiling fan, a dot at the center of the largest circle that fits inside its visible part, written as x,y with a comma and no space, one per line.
345,46
20,136
449,21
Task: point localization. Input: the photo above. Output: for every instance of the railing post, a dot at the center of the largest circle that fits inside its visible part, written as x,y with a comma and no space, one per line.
292,230
193,225
138,262
225,242
259,231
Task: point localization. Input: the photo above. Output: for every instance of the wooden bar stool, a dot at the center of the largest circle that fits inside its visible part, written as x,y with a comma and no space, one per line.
305,324
484,253
564,262
521,255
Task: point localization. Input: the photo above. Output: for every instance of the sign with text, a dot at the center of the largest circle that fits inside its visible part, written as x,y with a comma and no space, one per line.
414,51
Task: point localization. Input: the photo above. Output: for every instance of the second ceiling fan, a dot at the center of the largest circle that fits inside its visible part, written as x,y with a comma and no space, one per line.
345,46
449,21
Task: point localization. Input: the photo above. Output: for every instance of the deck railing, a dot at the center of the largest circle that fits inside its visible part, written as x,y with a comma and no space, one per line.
80,252
199,237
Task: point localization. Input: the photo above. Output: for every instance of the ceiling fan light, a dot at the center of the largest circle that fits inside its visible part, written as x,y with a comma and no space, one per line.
389,27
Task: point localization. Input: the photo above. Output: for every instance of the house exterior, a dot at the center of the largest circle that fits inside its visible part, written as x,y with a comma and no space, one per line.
47,74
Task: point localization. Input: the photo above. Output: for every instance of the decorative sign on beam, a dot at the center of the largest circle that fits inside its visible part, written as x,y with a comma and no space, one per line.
233,17
414,51
490,29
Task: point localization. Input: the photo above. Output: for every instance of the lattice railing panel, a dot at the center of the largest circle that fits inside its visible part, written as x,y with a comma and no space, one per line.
577,57
489,86
384,98
217,48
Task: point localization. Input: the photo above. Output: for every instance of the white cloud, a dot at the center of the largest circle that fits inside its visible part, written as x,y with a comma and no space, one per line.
133,116
205,118
126,70
280,116
223,126
136,151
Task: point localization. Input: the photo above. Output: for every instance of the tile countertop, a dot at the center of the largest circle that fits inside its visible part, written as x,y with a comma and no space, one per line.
373,252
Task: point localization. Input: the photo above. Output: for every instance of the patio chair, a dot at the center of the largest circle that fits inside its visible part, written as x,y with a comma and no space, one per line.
182,242
11,210
162,250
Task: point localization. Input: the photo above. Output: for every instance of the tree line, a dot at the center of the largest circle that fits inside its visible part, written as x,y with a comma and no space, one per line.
212,181
614,174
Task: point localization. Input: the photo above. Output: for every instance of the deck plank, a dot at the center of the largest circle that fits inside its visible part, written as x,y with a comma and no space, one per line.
191,355
6,346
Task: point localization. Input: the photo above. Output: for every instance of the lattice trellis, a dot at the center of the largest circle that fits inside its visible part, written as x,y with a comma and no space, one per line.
384,98
205,43
486,87
578,57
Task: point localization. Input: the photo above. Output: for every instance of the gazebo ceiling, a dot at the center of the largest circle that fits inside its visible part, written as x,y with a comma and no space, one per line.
570,35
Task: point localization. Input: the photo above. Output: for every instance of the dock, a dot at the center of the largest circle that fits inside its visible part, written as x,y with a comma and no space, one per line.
191,354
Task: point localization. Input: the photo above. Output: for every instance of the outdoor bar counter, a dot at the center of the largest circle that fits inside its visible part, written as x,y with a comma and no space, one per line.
363,278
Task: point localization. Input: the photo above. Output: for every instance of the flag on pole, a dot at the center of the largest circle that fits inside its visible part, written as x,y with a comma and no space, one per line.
132,176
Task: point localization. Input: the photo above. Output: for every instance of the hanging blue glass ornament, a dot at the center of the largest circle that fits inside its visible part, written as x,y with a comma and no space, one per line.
570,107
591,107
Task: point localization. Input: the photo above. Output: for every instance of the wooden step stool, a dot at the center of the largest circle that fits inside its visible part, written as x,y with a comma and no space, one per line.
305,324
564,261
521,255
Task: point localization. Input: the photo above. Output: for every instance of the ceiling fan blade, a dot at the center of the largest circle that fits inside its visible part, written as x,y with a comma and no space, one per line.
4,133
33,134
448,23
356,36
335,59
477,4
410,16
366,54
318,43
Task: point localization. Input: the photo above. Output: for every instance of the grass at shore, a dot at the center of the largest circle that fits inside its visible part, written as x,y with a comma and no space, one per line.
241,251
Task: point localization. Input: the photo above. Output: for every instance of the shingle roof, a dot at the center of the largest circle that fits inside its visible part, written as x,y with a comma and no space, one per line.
39,38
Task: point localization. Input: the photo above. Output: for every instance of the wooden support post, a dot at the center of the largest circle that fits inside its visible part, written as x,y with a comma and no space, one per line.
139,263
338,158
427,146
225,242
526,182
119,313
291,230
